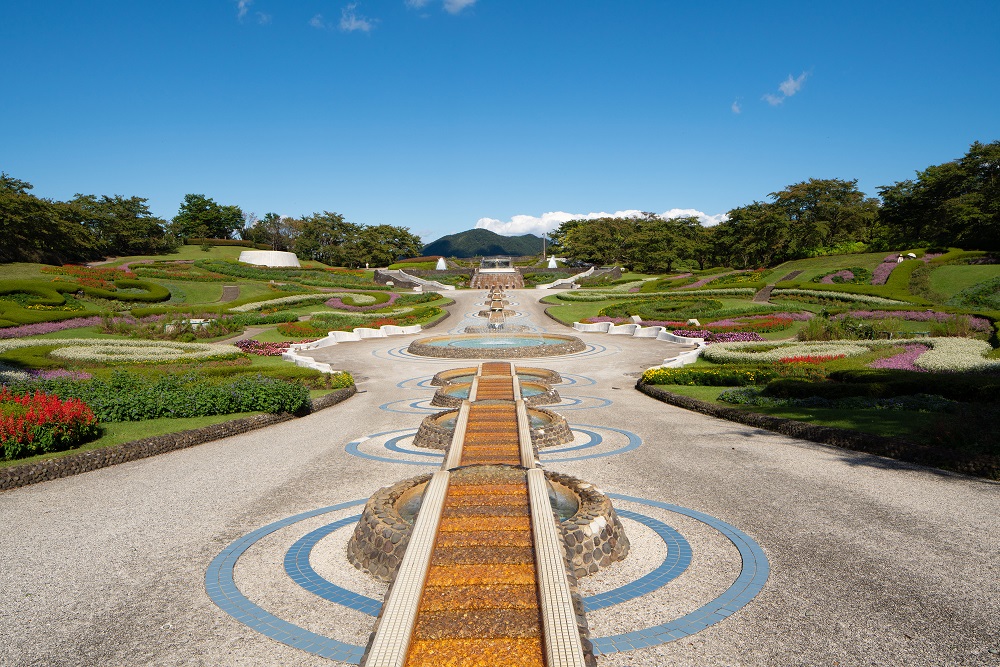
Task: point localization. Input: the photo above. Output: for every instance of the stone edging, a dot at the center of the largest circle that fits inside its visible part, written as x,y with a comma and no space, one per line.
73,464
569,347
870,443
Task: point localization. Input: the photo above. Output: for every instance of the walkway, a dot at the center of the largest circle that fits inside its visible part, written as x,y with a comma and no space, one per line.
872,561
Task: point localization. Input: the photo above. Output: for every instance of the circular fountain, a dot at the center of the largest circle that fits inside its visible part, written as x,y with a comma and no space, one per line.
496,346
590,528
524,374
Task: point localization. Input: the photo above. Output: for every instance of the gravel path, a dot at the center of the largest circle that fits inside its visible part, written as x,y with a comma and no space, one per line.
872,562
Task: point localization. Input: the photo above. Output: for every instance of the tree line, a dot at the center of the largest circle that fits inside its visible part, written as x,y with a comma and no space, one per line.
952,204
89,227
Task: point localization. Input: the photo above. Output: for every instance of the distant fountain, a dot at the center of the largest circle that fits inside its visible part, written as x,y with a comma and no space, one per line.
441,265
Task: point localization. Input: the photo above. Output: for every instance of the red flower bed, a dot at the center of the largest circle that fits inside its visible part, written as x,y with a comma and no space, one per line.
37,423
812,359
265,349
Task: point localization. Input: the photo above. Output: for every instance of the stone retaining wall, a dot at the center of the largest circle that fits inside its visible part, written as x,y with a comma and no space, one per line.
73,464
549,397
443,400
557,432
381,536
443,377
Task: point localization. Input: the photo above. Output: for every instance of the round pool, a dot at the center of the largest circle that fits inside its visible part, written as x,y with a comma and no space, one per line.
496,346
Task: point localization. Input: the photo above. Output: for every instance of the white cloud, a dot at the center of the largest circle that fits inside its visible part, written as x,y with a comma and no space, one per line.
242,7
788,87
263,19
736,108
529,224
317,21
455,6
791,86
416,4
350,20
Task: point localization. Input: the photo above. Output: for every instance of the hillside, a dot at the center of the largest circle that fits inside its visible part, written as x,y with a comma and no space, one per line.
484,242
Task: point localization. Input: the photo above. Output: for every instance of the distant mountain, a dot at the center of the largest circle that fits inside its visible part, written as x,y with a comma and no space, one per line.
484,242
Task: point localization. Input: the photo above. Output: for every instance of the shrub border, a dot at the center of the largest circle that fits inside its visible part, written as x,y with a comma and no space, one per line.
17,476
894,448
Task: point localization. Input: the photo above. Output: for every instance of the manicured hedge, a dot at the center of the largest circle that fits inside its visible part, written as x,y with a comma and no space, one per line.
127,396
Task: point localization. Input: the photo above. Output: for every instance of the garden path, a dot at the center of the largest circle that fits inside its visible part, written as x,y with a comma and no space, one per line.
871,561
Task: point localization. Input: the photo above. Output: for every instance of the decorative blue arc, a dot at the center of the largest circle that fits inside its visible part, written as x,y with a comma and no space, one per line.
222,589
748,584
634,442
353,449
577,401
595,440
298,568
416,406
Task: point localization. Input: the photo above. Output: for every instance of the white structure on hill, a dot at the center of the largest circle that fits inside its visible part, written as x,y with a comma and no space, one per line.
269,258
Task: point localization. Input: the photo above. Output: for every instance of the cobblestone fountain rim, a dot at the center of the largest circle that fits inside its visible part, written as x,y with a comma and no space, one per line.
524,373
593,537
547,429
496,346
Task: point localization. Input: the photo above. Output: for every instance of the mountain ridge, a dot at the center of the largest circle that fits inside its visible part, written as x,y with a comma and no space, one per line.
479,241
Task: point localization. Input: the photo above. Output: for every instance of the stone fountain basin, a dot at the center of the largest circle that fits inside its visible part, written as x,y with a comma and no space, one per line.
547,429
592,533
533,393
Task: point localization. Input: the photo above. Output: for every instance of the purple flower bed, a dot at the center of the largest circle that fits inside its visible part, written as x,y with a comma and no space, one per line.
977,323
335,302
882,271
702,282
844,276
730,337
931,255
60,373
902,361
48,327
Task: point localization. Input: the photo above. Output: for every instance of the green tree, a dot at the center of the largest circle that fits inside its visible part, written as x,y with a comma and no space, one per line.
39,230
325,237
123,225
381,245
754,235
952,204
824,212
199,211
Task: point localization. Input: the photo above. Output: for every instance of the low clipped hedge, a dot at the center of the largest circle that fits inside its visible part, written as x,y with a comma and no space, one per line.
51,294
128,396
971,387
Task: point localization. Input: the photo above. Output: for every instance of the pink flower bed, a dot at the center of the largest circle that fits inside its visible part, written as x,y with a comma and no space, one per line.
977,323
702,282
264,349
336,302
844,275
902,361
73,323
728,337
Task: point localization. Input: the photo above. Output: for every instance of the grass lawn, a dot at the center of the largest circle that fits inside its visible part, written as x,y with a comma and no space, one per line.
568,312
117,433
24,271
818,266
951,279
899,423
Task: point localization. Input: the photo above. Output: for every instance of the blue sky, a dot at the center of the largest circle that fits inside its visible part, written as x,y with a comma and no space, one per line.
438,114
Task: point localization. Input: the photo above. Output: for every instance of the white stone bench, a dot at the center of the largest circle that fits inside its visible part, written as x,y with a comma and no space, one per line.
368,332
647,332
345,336
622,329
597,327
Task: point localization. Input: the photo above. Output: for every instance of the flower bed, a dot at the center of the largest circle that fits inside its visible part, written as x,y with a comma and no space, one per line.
902,361
838,296
980,324
362,302
882,271
281,301
251,346
125,351
855,275
811,358
38,423
725,337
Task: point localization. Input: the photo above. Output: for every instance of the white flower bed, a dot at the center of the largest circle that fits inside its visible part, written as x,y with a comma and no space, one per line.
358,299
285,300
321,314
744,352
604,295
128,351
956,354
839,296
944,354
728,291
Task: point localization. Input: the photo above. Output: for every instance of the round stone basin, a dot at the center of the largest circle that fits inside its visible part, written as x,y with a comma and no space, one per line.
537,420
457,390
496,346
